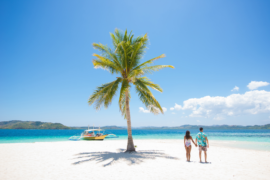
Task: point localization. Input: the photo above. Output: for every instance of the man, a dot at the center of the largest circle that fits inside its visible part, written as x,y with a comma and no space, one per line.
203,144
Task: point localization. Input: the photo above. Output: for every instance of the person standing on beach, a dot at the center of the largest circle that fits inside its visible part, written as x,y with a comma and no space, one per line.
203,144
187,144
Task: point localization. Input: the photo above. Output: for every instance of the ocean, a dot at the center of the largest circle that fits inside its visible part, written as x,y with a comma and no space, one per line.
248,139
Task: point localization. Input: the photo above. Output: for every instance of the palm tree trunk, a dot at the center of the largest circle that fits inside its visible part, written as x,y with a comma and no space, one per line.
130,145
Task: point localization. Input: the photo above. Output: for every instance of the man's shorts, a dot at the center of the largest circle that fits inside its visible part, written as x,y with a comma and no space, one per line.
202,148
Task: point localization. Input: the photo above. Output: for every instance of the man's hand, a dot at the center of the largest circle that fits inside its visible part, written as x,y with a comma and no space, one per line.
207,145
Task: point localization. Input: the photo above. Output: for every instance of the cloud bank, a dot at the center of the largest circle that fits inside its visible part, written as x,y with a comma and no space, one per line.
252,102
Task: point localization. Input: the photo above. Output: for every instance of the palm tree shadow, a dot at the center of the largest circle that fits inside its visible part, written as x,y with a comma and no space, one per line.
131,158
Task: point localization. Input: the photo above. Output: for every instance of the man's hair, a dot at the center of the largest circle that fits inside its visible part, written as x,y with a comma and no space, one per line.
201,128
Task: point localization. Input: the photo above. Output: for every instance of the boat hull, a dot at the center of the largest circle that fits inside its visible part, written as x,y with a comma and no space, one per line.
94,138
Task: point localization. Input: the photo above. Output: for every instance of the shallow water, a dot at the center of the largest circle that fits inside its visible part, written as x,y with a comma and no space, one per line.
251,139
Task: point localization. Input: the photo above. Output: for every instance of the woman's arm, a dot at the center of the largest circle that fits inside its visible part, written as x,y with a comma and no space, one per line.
184,141
193,142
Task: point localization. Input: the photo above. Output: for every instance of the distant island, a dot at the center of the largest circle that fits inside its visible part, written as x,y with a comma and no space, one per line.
18,124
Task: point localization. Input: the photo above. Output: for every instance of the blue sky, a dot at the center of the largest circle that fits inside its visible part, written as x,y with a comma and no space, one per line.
46,73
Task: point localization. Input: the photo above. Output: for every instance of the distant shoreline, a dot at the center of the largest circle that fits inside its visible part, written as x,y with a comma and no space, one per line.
18,124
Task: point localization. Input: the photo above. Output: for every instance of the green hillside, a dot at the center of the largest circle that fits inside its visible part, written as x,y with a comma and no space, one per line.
17,124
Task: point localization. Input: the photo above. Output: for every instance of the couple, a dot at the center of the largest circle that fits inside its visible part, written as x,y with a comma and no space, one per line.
202,140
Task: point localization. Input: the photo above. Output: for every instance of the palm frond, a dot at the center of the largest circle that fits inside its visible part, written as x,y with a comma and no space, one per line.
144,81
103,95
139,46
104,63
148,99
118,35
107,53
146,63
151,69
115,40
135,73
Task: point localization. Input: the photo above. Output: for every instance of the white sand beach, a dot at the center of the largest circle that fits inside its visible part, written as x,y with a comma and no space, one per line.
155,159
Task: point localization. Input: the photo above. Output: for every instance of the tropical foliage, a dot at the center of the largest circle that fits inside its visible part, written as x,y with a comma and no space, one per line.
125,60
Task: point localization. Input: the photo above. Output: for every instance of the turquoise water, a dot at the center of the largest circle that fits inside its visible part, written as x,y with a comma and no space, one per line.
258,138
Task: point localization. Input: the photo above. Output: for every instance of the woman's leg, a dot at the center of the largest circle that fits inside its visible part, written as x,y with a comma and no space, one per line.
189,153
186,152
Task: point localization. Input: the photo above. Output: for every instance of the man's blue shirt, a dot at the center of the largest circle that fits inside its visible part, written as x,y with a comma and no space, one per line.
201,138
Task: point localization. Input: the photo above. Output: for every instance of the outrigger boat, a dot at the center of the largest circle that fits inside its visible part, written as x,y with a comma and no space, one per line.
93,134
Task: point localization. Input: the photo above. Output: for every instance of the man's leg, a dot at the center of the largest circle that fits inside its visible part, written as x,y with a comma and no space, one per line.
205,156
200,154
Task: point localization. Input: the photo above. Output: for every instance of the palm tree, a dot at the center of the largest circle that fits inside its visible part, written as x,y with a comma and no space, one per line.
124,60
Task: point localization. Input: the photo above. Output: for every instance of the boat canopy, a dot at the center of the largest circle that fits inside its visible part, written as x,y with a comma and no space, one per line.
94,130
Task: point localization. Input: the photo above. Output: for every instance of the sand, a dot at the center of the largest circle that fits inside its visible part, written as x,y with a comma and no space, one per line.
155,159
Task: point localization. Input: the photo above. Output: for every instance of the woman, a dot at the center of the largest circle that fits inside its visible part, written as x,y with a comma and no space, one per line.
187,144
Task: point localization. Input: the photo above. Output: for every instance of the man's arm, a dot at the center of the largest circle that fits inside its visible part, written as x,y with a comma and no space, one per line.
194,142
207,142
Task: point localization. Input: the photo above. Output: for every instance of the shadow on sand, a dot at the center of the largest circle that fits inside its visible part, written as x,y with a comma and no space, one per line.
112,157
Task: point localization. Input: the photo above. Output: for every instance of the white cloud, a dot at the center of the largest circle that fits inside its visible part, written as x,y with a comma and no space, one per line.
252,102
198,121
176,107
173,112
235,88
256,84
141,109
164,109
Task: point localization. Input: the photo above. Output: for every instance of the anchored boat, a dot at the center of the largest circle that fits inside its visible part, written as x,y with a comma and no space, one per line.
93,134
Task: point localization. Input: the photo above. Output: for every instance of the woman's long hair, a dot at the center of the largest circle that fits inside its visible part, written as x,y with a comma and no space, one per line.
187,135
